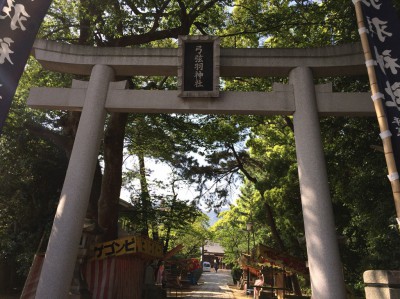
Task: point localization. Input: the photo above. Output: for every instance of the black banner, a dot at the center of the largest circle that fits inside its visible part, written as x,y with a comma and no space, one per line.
383,31
19,23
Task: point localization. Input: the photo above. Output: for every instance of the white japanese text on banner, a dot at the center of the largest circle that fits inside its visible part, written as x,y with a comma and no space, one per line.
19,23
383,31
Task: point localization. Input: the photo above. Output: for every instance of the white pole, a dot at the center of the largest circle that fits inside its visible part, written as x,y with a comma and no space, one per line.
321,240
56,276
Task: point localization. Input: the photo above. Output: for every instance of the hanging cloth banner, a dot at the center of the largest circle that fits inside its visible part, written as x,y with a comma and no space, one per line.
382,28
19,23
379,29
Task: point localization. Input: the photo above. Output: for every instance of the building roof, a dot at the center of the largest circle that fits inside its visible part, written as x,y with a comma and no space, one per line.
212,247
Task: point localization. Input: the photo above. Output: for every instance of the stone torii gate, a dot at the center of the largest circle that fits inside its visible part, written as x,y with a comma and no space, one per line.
300,98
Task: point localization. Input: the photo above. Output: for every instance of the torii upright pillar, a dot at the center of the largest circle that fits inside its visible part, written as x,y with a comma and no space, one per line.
56,276
321,240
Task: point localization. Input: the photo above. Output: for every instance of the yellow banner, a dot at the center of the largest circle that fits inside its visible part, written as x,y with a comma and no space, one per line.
128,245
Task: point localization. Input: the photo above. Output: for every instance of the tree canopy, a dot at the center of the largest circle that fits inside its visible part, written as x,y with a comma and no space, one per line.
212,154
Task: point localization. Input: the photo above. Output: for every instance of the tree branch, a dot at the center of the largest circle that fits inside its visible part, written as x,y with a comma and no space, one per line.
149,37
63,142
241,165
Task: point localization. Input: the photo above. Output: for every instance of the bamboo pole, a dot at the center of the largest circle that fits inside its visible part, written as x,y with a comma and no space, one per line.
380,112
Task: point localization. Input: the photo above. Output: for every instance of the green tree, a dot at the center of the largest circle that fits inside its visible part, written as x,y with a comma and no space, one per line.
99,23
35,146
169,217
193,237
32,171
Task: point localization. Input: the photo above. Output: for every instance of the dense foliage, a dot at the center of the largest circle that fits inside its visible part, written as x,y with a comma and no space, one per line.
210,155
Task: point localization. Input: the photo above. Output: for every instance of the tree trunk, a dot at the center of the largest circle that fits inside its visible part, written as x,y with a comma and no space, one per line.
92,211
271,223
144,196
166,242
112,179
